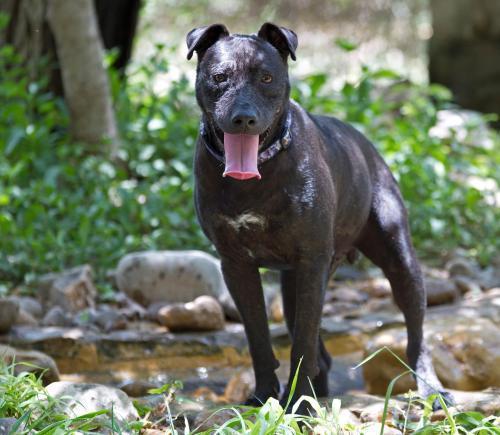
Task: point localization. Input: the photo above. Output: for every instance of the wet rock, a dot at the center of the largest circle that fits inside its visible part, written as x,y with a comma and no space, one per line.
6,425
107,318
72,290
78,399
36,362
25,318
169,276
239,387
202,314
56,316
340,308
440,291
277,309
486,402
137,388
463,341
29,305
9,310
384,367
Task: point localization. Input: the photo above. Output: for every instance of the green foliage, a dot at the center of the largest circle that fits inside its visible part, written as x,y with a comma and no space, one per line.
63,203
24,398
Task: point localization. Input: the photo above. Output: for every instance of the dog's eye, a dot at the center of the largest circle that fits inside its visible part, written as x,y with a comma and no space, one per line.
219,78
266,78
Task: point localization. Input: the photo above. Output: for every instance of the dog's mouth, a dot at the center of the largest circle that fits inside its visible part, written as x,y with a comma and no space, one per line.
241,152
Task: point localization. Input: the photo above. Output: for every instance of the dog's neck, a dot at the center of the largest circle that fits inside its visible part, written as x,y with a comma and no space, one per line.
279,143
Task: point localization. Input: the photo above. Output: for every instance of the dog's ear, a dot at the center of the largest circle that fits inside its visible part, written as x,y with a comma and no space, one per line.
202,38
284,40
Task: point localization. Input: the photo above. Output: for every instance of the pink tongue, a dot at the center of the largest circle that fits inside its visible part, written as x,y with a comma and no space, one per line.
241,151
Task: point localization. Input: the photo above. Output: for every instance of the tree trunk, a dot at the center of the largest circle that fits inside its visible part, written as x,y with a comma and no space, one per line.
464,51
86,87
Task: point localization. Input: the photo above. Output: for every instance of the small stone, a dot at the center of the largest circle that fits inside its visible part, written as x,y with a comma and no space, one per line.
203,314
9,310
29,305
136,388
440,291
6,425
461,267
349,295
277,309
25,318
108,319
375,287
240,387
211,419
73,289
56,316
466,285
36,362
78,399
375,428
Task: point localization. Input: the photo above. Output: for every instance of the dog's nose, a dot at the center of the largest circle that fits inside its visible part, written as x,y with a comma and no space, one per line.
244,120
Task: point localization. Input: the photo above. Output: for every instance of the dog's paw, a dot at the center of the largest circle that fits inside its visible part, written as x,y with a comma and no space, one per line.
447,398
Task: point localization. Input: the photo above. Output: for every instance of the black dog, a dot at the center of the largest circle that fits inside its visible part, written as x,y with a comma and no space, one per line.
281,188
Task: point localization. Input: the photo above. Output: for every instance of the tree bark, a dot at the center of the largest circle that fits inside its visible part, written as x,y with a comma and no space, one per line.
86,86
464,51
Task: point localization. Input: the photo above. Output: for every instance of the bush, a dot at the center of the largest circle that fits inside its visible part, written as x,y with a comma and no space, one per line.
63,204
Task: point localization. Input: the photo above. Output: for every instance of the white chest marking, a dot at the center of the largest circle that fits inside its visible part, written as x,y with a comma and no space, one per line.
246,220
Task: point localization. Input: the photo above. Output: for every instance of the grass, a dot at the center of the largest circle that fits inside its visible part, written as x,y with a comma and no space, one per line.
23,397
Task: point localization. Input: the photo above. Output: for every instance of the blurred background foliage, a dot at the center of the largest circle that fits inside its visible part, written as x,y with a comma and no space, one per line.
63,203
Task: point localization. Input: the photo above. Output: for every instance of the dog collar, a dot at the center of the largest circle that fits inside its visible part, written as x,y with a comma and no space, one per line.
281,144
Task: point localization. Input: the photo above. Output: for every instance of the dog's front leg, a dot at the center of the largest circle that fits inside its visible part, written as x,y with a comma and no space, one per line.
244,284
311,278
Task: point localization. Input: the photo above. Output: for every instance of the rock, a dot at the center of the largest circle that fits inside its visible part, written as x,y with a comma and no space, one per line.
203,314
169,276
465,349
466,285
78,399
379,371
56,316
9,310
136,388
211,419
36,362
6,425
459,266
348,294
239,387
373,428
29,305
25,318
375,287
108,319
72,290
277,309
440,291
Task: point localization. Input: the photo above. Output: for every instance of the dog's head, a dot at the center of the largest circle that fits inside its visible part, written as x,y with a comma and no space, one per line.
242,86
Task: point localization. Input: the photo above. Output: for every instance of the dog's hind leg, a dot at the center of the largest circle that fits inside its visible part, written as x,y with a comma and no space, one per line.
386,241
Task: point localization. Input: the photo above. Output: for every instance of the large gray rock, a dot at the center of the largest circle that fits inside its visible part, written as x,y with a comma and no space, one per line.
30,361
9,310
73,289
78,399
170,276
202,314
440,291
